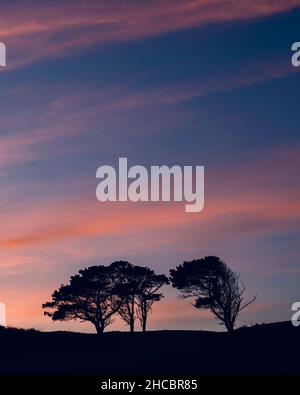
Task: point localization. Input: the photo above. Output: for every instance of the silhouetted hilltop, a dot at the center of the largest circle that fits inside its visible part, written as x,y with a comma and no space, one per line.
267,348
276,327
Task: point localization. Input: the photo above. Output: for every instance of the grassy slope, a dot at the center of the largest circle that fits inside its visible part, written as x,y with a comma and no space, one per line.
268,348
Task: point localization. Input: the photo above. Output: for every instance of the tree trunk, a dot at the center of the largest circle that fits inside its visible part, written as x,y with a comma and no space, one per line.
230,327
132,315
99,328
144,323
132,325
144,315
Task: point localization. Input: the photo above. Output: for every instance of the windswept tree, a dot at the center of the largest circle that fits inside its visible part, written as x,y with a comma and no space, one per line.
90,296
128,289
149,285
138,287
214,286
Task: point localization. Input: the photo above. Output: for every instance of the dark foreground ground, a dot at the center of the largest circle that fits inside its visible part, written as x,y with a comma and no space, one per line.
272,348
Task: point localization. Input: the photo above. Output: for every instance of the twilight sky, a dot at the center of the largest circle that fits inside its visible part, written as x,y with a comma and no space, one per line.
206,82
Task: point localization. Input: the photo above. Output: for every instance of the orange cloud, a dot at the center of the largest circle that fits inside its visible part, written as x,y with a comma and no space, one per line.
43,238
236,204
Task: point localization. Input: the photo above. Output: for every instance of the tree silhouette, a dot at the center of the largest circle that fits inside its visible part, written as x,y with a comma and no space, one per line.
128,289
214,285
137,286
97,294
149,284
90,296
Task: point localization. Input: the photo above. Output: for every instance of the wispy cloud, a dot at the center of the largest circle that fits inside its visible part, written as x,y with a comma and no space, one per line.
61,28
65,115
239,207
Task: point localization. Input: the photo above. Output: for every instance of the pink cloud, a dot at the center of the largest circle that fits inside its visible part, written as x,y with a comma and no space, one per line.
42,31
236,205
45,237
67,115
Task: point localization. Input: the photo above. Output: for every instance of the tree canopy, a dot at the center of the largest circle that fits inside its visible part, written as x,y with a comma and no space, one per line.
99,293
214,286
90,296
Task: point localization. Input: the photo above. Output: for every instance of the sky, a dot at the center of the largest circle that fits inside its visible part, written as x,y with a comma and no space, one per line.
164,82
